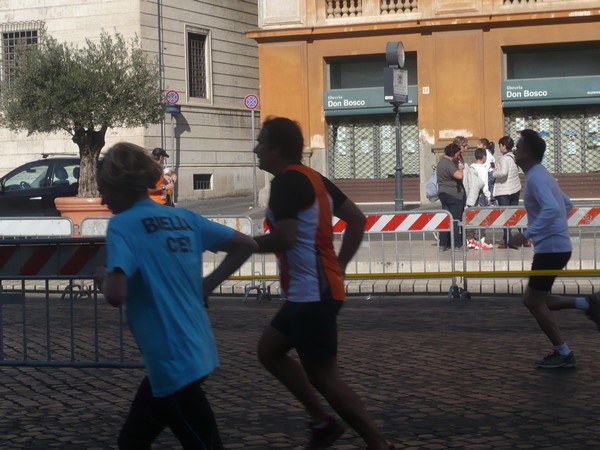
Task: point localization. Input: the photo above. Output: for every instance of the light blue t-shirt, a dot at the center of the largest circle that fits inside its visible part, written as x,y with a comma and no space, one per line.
547,212
159,249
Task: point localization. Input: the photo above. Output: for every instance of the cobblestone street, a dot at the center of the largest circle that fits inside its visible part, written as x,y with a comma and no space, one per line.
434,374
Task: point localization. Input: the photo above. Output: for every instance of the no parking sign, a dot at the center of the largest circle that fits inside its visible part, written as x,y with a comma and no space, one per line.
172,97
251,101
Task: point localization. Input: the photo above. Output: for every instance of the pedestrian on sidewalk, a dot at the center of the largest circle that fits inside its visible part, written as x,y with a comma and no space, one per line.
547,212
507,185
451,191
162,191
490,164
154,267
485,196
299,216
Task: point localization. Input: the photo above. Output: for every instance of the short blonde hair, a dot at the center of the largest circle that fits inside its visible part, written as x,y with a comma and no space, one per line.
129,167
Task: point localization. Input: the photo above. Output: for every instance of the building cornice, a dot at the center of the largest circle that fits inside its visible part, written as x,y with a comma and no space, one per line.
358,27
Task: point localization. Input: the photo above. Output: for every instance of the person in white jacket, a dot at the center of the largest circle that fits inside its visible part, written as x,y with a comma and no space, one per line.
490,163
484,197
507,188
472,184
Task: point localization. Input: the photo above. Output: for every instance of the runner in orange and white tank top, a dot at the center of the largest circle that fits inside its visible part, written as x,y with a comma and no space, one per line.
299,215
310,270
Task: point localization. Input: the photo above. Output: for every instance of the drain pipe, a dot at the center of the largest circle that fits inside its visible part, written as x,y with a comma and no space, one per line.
161,69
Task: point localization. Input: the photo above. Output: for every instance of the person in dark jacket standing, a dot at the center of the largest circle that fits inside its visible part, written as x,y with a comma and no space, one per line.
451,191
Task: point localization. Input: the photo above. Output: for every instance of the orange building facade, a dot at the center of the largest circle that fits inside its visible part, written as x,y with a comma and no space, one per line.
476,68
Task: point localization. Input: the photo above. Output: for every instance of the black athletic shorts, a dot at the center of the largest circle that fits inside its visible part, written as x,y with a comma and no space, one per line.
311,326
547,261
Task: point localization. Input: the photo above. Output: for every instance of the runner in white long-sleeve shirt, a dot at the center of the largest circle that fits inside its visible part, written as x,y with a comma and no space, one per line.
548,209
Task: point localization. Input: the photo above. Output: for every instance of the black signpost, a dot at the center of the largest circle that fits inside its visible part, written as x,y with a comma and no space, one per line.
395,91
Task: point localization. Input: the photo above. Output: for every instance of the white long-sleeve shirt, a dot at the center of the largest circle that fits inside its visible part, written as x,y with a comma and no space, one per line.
482,173
548,209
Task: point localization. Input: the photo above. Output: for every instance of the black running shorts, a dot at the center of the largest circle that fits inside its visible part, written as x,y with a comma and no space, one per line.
547,261
311,327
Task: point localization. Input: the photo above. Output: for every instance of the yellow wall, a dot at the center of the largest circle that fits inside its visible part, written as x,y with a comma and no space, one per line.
463,70
283,81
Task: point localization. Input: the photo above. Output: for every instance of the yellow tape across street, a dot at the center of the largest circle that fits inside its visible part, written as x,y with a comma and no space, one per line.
434,275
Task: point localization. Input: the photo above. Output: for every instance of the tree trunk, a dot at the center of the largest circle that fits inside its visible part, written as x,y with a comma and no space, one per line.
90,143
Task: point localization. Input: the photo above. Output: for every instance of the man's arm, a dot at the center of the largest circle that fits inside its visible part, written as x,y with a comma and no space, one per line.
238,249
281,237
155,191
113,286
355,230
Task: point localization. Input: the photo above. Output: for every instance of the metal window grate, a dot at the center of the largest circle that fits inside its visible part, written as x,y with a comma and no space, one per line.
366,148
10,41
197,64
572,136
202,181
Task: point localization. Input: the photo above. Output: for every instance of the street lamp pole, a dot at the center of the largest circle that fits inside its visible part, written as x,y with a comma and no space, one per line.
399,200
395,91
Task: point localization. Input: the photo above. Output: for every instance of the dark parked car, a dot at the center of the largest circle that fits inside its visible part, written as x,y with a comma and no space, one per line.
30,189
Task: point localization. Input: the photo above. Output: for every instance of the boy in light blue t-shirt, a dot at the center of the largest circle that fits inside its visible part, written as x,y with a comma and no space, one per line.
155,268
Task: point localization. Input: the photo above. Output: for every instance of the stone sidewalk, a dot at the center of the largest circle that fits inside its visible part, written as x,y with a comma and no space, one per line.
434,374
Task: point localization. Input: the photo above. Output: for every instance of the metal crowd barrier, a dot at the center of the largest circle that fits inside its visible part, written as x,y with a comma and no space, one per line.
94,226
35,227
50,311
400,253
481,264
51,314
248,277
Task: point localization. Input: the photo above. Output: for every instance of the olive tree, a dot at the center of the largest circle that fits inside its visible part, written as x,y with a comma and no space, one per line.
83,91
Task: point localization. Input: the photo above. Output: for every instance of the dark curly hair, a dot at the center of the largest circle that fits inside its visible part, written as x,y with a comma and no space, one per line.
129,167
452,149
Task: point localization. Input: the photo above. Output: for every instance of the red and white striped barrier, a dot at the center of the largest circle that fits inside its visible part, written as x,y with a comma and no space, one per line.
397,222
496,217
401,222
580,216
51,259
585,216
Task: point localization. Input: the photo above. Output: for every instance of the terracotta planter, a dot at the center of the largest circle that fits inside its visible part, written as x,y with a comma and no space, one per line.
77,209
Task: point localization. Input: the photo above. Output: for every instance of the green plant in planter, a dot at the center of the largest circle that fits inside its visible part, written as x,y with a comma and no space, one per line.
83,91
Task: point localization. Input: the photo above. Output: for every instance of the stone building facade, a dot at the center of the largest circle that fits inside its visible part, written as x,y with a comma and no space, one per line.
204,56
477,68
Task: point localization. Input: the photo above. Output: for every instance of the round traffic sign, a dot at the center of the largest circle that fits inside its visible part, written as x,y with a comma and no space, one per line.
251,101
172,97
